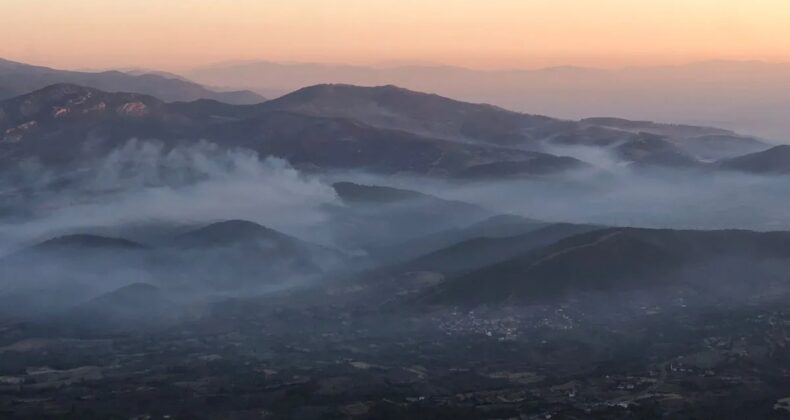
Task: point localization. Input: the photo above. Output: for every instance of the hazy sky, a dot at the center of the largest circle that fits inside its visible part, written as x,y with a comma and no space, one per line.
177,34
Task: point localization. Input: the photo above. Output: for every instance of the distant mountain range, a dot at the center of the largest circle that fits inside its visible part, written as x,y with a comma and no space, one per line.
18,79
381,129
54,125
744,96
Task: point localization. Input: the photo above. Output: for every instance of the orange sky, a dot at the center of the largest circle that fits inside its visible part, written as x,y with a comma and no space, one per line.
177,34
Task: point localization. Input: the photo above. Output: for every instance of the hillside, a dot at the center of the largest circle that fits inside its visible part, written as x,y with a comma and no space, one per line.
56,123
774,161
613,259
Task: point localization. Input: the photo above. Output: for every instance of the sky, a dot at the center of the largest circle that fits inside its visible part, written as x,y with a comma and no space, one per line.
183,34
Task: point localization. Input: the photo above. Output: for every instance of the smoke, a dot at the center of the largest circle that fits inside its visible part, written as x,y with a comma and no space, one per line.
624,195
660,199
599,157
145,183
150,193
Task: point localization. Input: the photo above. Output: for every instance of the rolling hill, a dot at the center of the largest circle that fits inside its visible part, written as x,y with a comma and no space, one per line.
481,251
612,259
374,217
774,161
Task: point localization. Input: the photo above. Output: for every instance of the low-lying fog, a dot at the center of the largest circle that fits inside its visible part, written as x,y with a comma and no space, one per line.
168,204
146,187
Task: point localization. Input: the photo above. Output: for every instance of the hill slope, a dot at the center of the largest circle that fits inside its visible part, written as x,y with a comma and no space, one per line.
440,117
774,161
609,260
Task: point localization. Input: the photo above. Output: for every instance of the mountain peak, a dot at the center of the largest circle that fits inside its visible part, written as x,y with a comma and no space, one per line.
230,231
60,102
65,91
342,89
393,107
62,89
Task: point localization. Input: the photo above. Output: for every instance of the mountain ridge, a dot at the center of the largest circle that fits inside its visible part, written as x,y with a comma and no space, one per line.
19,78
688,94
608,259
313,129
55,123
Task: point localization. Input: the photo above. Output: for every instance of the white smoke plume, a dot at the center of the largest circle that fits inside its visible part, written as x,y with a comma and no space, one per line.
143,183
